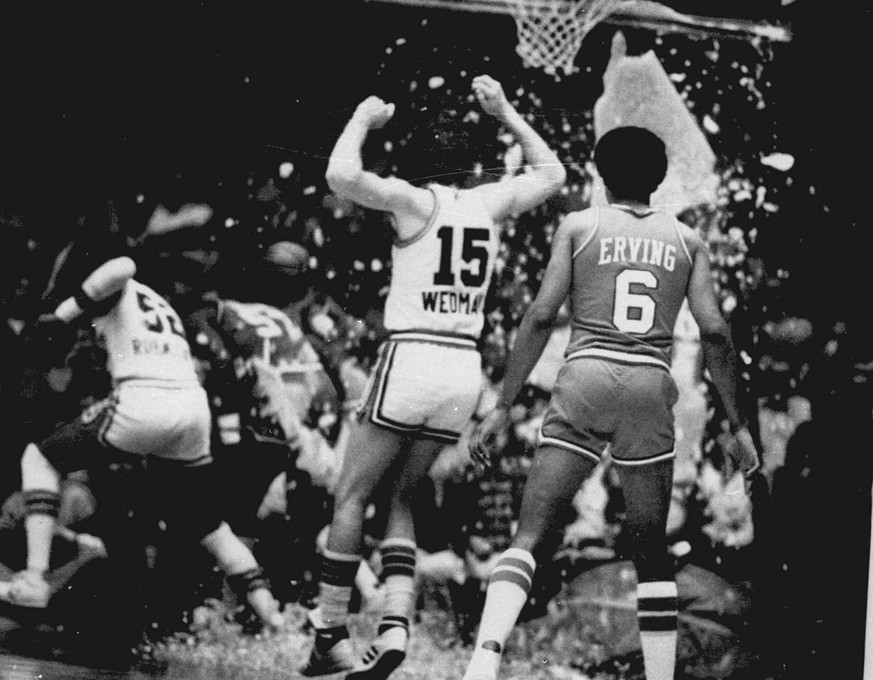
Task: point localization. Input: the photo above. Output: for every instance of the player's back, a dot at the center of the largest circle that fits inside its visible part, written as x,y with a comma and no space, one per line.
144,338
439,278
277,364
631,269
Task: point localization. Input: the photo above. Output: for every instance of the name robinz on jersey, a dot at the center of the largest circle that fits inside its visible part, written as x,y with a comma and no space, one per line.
156,347
452,301
643,250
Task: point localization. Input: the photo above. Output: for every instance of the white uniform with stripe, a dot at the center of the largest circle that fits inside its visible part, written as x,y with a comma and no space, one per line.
158,406
429,375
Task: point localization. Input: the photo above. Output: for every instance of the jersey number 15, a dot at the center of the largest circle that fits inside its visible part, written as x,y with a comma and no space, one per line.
474,249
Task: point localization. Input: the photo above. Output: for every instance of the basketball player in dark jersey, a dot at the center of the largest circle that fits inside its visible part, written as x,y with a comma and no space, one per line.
627,269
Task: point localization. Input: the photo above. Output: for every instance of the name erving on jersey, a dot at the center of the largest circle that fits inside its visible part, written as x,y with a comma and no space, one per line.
642,250
451,301
147,346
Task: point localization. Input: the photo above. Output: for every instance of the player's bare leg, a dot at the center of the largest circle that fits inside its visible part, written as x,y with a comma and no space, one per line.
646,490
371,452
243,574
553,481
398,568
40,482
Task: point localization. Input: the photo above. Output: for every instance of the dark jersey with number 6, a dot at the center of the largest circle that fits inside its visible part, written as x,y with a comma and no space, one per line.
439,277
630,276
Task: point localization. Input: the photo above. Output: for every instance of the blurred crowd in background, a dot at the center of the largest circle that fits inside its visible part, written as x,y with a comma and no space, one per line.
202,234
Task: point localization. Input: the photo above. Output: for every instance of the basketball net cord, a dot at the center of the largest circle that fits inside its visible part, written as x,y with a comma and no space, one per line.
550,32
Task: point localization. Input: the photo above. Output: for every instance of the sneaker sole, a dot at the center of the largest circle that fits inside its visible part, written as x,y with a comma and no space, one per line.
311,671
385,665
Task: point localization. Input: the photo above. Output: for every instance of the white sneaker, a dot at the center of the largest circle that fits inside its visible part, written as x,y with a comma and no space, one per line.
383,657
26,589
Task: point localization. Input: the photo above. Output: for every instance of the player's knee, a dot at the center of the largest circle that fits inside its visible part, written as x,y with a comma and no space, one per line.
351,497
37,472
652,561
526,541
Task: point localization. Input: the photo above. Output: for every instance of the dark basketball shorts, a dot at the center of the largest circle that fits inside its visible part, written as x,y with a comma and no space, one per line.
598,403
424,384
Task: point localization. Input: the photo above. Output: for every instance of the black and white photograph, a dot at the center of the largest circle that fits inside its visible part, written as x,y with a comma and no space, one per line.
435,340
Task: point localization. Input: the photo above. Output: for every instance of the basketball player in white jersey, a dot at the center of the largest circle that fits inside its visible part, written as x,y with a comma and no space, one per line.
157,409
427,382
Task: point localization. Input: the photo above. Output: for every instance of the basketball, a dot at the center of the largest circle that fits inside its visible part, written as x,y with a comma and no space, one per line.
287,257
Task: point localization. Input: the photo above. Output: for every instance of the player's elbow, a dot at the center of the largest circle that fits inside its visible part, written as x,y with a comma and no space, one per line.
109,278
555,175
343,178
541,317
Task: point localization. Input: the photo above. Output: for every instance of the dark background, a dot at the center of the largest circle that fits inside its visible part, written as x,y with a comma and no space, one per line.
98,100
101,102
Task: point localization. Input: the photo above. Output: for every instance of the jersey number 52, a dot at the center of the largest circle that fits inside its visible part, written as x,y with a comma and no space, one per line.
158,317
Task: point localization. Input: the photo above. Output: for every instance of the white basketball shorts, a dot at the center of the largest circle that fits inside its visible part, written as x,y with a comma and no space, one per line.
424,384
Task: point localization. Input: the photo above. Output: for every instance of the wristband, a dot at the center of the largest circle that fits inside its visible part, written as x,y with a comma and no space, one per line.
84,300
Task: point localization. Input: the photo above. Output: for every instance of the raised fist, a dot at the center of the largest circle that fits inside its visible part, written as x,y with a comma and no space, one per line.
490,95
374,112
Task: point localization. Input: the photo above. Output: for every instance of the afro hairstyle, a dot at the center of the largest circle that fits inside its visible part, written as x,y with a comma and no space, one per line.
632,161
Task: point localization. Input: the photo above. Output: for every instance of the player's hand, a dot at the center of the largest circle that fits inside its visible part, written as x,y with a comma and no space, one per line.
484,436
490,95
374,112
92,545
746,455
744,458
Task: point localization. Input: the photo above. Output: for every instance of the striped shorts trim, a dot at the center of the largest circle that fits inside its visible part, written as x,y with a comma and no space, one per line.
618,356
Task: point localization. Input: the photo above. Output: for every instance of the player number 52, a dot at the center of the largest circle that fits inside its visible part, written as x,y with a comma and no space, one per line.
634,312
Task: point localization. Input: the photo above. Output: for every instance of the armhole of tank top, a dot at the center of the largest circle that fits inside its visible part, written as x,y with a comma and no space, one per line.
402,243
678,229
591,235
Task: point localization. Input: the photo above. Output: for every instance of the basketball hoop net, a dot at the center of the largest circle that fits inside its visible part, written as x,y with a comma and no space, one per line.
550,32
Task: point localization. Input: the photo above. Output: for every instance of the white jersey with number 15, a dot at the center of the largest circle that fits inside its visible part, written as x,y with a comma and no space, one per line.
144,338
440,277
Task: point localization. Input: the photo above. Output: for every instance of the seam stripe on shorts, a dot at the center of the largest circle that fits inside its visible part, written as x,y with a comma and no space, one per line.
376,415
435,337
442,435
633,462
574,448
618,357
107,416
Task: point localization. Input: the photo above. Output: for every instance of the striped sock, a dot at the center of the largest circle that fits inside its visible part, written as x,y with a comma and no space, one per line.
658,612
507,593
41,509
335,590
398,573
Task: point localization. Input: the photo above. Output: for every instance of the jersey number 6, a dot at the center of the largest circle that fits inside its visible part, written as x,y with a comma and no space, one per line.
643,318
473,250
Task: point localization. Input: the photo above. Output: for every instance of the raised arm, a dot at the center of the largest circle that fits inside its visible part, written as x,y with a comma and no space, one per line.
719,354
526,190
98,290
347,178
530,341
